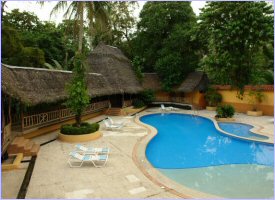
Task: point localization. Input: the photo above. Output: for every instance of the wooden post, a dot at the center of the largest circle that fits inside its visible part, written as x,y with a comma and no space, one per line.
3,124
22,116
10,110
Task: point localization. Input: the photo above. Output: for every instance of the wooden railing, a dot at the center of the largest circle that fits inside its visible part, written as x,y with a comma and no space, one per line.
173,99
59,115
127,103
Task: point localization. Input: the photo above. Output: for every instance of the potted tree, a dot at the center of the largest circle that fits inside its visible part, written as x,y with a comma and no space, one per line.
78,100
255,98
213,99
225,113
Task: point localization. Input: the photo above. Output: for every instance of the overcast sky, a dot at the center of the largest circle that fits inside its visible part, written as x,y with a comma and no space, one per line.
44,12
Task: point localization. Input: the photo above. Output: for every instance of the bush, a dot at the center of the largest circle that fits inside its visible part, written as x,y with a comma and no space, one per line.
84,128
212,97
147,96
138,103
225,111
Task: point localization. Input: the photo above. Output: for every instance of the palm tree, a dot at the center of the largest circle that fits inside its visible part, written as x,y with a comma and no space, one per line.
96,13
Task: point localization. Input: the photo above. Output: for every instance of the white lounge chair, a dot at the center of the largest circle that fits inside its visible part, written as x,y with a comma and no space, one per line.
115,123
75,157
170,108
112,127
92,150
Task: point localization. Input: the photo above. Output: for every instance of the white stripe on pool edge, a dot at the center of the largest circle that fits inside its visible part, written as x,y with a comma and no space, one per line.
132,178
137,190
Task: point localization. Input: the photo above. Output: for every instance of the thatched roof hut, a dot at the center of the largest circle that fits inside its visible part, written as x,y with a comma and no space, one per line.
113,64
151,81
35,85
195,81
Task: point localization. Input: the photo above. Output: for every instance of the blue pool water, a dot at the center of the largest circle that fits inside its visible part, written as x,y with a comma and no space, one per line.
184,141
242,130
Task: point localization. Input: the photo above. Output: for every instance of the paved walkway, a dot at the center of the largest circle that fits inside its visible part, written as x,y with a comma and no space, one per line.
120,178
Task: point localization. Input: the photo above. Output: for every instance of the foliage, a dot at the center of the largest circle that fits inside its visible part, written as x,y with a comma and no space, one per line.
212,97
122,24
169,68
138,103
256,97
236,32
137,66
21,21
164,40
30,32
84,128
77,89
225,111
147,96
30,57
11,44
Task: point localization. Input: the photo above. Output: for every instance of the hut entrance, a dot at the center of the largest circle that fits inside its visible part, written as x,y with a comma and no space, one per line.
6,122
116,101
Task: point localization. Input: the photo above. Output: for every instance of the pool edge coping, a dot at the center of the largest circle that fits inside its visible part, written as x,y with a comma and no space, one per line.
158,178
140,159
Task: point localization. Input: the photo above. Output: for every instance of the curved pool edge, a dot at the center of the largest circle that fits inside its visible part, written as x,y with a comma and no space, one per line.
140,159
256,129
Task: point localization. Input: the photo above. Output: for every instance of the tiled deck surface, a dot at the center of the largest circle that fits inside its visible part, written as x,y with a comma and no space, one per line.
120,178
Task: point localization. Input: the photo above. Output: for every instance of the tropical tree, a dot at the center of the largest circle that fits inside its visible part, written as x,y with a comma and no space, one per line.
236,33
95,12
77,90
164,40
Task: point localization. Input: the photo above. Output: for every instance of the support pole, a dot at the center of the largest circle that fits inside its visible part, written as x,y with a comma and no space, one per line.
22,117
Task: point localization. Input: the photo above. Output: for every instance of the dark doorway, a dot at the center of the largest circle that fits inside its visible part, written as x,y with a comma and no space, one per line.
116,101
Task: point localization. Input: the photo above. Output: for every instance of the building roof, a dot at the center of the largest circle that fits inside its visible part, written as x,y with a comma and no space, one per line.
115,67
34,86
151,81
110,72
194,81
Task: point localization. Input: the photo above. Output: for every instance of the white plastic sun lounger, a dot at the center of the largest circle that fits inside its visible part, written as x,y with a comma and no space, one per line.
91,150
116,123
110,126
75,157
170,108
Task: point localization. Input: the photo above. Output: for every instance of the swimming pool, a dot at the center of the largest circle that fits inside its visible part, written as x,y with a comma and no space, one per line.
187,144
240,129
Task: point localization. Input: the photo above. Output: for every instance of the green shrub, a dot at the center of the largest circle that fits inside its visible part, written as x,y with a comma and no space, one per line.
138,103
225,111
212,97
84,128
147,96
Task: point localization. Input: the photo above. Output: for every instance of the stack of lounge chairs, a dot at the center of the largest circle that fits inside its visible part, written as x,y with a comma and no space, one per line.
97,156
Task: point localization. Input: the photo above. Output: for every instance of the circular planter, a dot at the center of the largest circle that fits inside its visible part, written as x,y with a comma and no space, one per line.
228,119
210,108
79,138
254,113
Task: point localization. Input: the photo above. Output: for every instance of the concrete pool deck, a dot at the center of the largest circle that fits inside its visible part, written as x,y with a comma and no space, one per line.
127,173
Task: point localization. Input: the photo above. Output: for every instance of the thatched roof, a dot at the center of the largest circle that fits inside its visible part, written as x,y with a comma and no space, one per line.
195,81
34,85
112,64
151,81
113,74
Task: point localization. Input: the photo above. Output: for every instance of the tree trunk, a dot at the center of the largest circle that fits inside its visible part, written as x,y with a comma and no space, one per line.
81,28
78,120
2,8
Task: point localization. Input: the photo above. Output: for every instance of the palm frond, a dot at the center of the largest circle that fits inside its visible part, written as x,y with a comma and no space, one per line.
61,5
57,64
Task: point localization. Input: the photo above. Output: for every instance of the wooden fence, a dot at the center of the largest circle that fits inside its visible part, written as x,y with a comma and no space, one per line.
59,115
